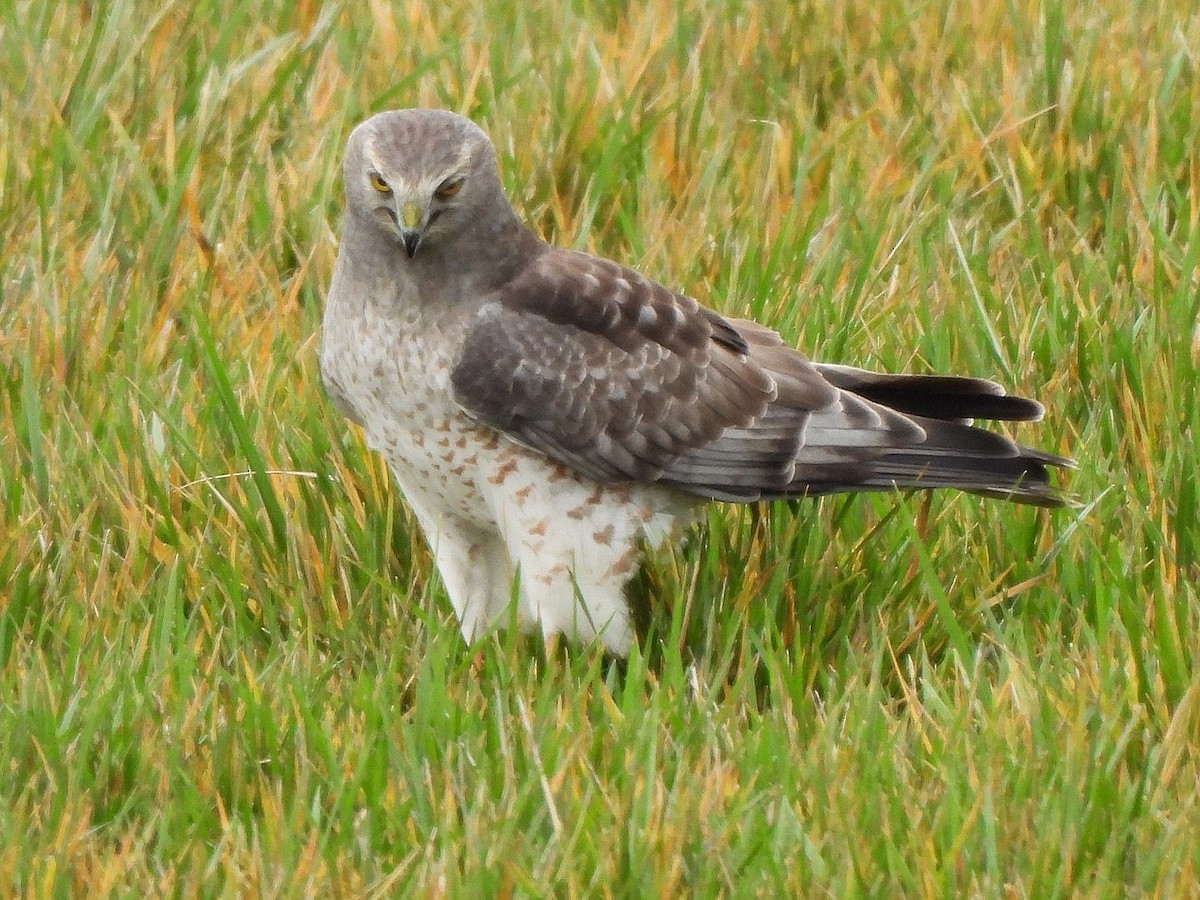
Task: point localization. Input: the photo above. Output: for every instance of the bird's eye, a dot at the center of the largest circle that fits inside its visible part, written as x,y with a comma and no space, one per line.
449,188
379,184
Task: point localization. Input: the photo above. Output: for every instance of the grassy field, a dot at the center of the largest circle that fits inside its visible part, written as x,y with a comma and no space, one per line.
226,668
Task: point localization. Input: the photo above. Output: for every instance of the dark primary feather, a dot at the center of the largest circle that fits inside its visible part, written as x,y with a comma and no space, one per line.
623,379
934,396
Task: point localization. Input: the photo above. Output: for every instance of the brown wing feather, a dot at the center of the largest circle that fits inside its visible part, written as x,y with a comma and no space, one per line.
622,379
605,370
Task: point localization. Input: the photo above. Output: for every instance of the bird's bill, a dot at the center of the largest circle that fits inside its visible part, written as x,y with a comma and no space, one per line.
411,240
412,219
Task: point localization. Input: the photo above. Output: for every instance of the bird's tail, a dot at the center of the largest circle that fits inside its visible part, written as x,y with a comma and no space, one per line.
953,453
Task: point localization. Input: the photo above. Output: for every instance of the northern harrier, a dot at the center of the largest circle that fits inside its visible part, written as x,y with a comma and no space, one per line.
545,411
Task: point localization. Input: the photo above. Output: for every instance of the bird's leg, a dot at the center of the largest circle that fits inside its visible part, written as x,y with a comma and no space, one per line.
475,571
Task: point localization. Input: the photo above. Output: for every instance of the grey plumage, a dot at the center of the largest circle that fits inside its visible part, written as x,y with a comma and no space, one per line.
443,300
621,378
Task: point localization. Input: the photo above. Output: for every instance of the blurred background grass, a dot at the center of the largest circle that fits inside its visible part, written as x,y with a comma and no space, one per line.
225,665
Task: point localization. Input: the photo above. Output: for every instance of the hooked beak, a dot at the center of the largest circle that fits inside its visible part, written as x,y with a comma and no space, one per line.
411,219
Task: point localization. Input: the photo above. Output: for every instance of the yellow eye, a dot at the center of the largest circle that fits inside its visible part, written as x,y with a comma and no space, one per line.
379,184
449,188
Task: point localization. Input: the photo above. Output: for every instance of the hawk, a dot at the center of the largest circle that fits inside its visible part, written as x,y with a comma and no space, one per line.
547,413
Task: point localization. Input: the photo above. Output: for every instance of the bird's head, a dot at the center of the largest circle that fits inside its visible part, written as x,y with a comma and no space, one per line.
417,174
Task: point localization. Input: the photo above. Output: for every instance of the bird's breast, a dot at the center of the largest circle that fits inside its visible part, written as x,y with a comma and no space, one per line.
392,375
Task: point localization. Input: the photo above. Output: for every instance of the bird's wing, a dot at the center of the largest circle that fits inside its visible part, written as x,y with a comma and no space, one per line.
622,379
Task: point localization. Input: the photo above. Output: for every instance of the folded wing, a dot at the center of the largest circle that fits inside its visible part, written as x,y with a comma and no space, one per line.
622,379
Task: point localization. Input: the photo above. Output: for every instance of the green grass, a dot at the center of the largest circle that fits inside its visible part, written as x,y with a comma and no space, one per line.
225,666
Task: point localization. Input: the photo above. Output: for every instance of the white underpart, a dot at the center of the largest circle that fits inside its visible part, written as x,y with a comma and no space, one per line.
497,515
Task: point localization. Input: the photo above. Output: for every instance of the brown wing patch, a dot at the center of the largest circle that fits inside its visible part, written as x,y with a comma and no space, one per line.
606,371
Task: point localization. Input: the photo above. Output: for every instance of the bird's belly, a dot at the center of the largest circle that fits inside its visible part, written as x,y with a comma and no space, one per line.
436,462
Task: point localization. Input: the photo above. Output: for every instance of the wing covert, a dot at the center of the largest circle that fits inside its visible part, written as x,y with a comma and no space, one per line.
606,370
